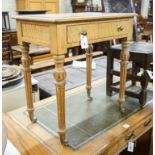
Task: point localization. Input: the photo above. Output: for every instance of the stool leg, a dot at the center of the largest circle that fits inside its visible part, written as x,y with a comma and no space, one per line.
134,72
143,93
124,56
109,75
89,51
27,78
60,76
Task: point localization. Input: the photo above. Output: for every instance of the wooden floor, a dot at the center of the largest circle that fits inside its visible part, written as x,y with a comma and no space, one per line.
32,139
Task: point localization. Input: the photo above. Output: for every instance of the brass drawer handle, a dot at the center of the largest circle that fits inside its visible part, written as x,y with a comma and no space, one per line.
131,136
84,33
120,28
147,122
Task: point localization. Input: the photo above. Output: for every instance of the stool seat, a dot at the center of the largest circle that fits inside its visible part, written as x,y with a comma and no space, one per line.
140,52
136,47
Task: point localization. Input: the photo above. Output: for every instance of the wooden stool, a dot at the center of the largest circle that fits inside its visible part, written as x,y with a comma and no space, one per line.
141,55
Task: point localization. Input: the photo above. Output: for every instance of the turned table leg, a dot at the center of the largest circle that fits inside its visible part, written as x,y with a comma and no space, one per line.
60,76
89,51
27,78
124,56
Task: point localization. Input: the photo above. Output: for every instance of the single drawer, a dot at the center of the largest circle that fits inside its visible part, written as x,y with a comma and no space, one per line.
98,30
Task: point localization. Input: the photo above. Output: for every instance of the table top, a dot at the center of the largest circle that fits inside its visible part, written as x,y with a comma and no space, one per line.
68,17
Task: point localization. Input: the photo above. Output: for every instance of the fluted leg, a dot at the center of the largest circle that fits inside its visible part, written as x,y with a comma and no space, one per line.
60,76
89,51
27,78
123,71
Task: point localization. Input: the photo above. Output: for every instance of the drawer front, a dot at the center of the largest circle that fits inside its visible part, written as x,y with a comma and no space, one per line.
121,144
112,29
107,29
97,30
146,125
135,133
116,147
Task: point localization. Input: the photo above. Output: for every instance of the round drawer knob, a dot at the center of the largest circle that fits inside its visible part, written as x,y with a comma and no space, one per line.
120,28
84,33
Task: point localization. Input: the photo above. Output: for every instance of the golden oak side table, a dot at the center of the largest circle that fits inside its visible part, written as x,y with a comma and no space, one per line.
62,31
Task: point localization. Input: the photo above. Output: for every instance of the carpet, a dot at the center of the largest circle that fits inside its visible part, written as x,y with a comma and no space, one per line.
87,119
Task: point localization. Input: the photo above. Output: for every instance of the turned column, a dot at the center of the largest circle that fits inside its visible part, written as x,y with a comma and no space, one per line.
60,78
89,51
144,83
124,56
27,78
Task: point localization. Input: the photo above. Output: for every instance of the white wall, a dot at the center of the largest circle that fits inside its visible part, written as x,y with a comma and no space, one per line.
10,6
65,6
145,8
98,2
